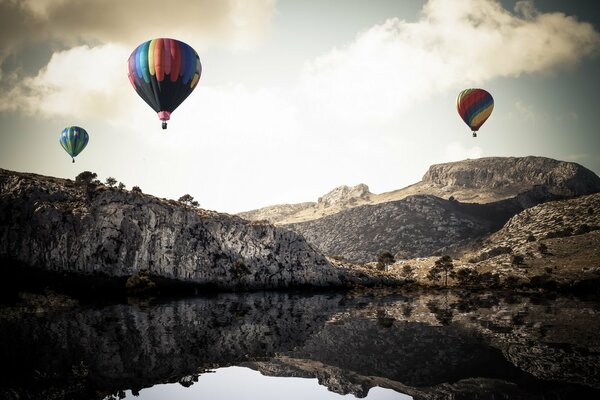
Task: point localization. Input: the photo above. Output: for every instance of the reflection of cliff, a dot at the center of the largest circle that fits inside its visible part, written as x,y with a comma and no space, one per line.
351,343
123,346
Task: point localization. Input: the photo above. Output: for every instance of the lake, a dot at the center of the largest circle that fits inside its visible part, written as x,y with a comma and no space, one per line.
371,344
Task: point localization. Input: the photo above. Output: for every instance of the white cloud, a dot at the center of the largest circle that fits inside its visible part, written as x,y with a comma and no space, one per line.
236,23
394,66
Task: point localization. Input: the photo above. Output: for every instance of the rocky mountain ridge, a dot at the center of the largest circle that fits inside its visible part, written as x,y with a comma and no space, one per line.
60,226
483,180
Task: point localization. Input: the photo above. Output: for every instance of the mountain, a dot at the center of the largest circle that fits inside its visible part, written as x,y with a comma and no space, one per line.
433,217
61,226
483,180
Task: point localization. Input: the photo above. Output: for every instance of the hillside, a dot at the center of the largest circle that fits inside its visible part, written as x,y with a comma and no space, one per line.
551,245
60,226
484,180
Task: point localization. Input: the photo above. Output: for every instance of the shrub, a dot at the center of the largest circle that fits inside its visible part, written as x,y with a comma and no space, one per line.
543,249
136,189
140,283
385,258
121,186
531,237
581,229
466,276
408,271
568,231
517,259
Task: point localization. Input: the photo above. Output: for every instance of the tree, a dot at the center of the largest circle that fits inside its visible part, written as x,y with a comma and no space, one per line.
110,181
385,258
136,189
444,265
434,273
85,178
121,186
189,200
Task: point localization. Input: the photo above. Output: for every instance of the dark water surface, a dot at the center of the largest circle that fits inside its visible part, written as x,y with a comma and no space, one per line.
274,345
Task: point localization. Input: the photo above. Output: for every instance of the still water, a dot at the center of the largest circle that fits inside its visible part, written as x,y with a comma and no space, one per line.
273,345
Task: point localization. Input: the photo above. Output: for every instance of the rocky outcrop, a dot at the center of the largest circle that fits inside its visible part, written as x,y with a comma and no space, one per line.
514,175
57,225
484,180
338,199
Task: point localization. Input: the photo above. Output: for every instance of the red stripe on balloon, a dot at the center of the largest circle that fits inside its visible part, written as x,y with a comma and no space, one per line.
167,56
176,65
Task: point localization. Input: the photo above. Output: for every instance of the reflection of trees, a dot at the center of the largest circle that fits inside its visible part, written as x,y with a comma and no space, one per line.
442,312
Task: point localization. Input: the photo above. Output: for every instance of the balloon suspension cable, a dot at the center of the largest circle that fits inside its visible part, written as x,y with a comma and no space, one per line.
474,134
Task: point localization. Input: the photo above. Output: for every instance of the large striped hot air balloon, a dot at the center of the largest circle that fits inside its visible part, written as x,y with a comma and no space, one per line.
474,107
164,72
74,139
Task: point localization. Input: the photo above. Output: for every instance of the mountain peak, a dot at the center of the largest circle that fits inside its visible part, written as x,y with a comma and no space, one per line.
344,195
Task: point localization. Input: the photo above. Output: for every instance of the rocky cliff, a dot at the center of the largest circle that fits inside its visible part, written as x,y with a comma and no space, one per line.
57,225
484,180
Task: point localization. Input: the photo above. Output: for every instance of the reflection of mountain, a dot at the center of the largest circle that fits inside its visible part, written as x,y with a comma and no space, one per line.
349,343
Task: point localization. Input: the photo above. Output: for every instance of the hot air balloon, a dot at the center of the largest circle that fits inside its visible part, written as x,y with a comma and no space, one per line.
74,139
474,107
164,72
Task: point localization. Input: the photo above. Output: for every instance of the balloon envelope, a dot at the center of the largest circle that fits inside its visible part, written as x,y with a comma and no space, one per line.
164,72
74,139
474,107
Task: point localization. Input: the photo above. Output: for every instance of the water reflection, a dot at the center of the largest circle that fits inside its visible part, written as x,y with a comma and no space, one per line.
427,346
221,384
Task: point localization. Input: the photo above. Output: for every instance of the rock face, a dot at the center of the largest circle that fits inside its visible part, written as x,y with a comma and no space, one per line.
515,174
59,226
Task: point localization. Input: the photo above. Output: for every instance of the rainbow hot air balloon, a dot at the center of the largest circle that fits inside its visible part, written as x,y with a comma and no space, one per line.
164,72
74,139
474,107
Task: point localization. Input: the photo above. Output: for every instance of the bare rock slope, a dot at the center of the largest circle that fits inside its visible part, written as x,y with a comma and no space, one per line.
57,225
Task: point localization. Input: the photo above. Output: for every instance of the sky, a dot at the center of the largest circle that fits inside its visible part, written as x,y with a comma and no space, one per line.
297,97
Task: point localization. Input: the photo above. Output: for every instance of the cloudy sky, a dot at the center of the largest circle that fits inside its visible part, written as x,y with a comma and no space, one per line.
297,96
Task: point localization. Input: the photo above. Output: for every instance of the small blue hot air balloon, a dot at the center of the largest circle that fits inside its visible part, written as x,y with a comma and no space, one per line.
74,139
